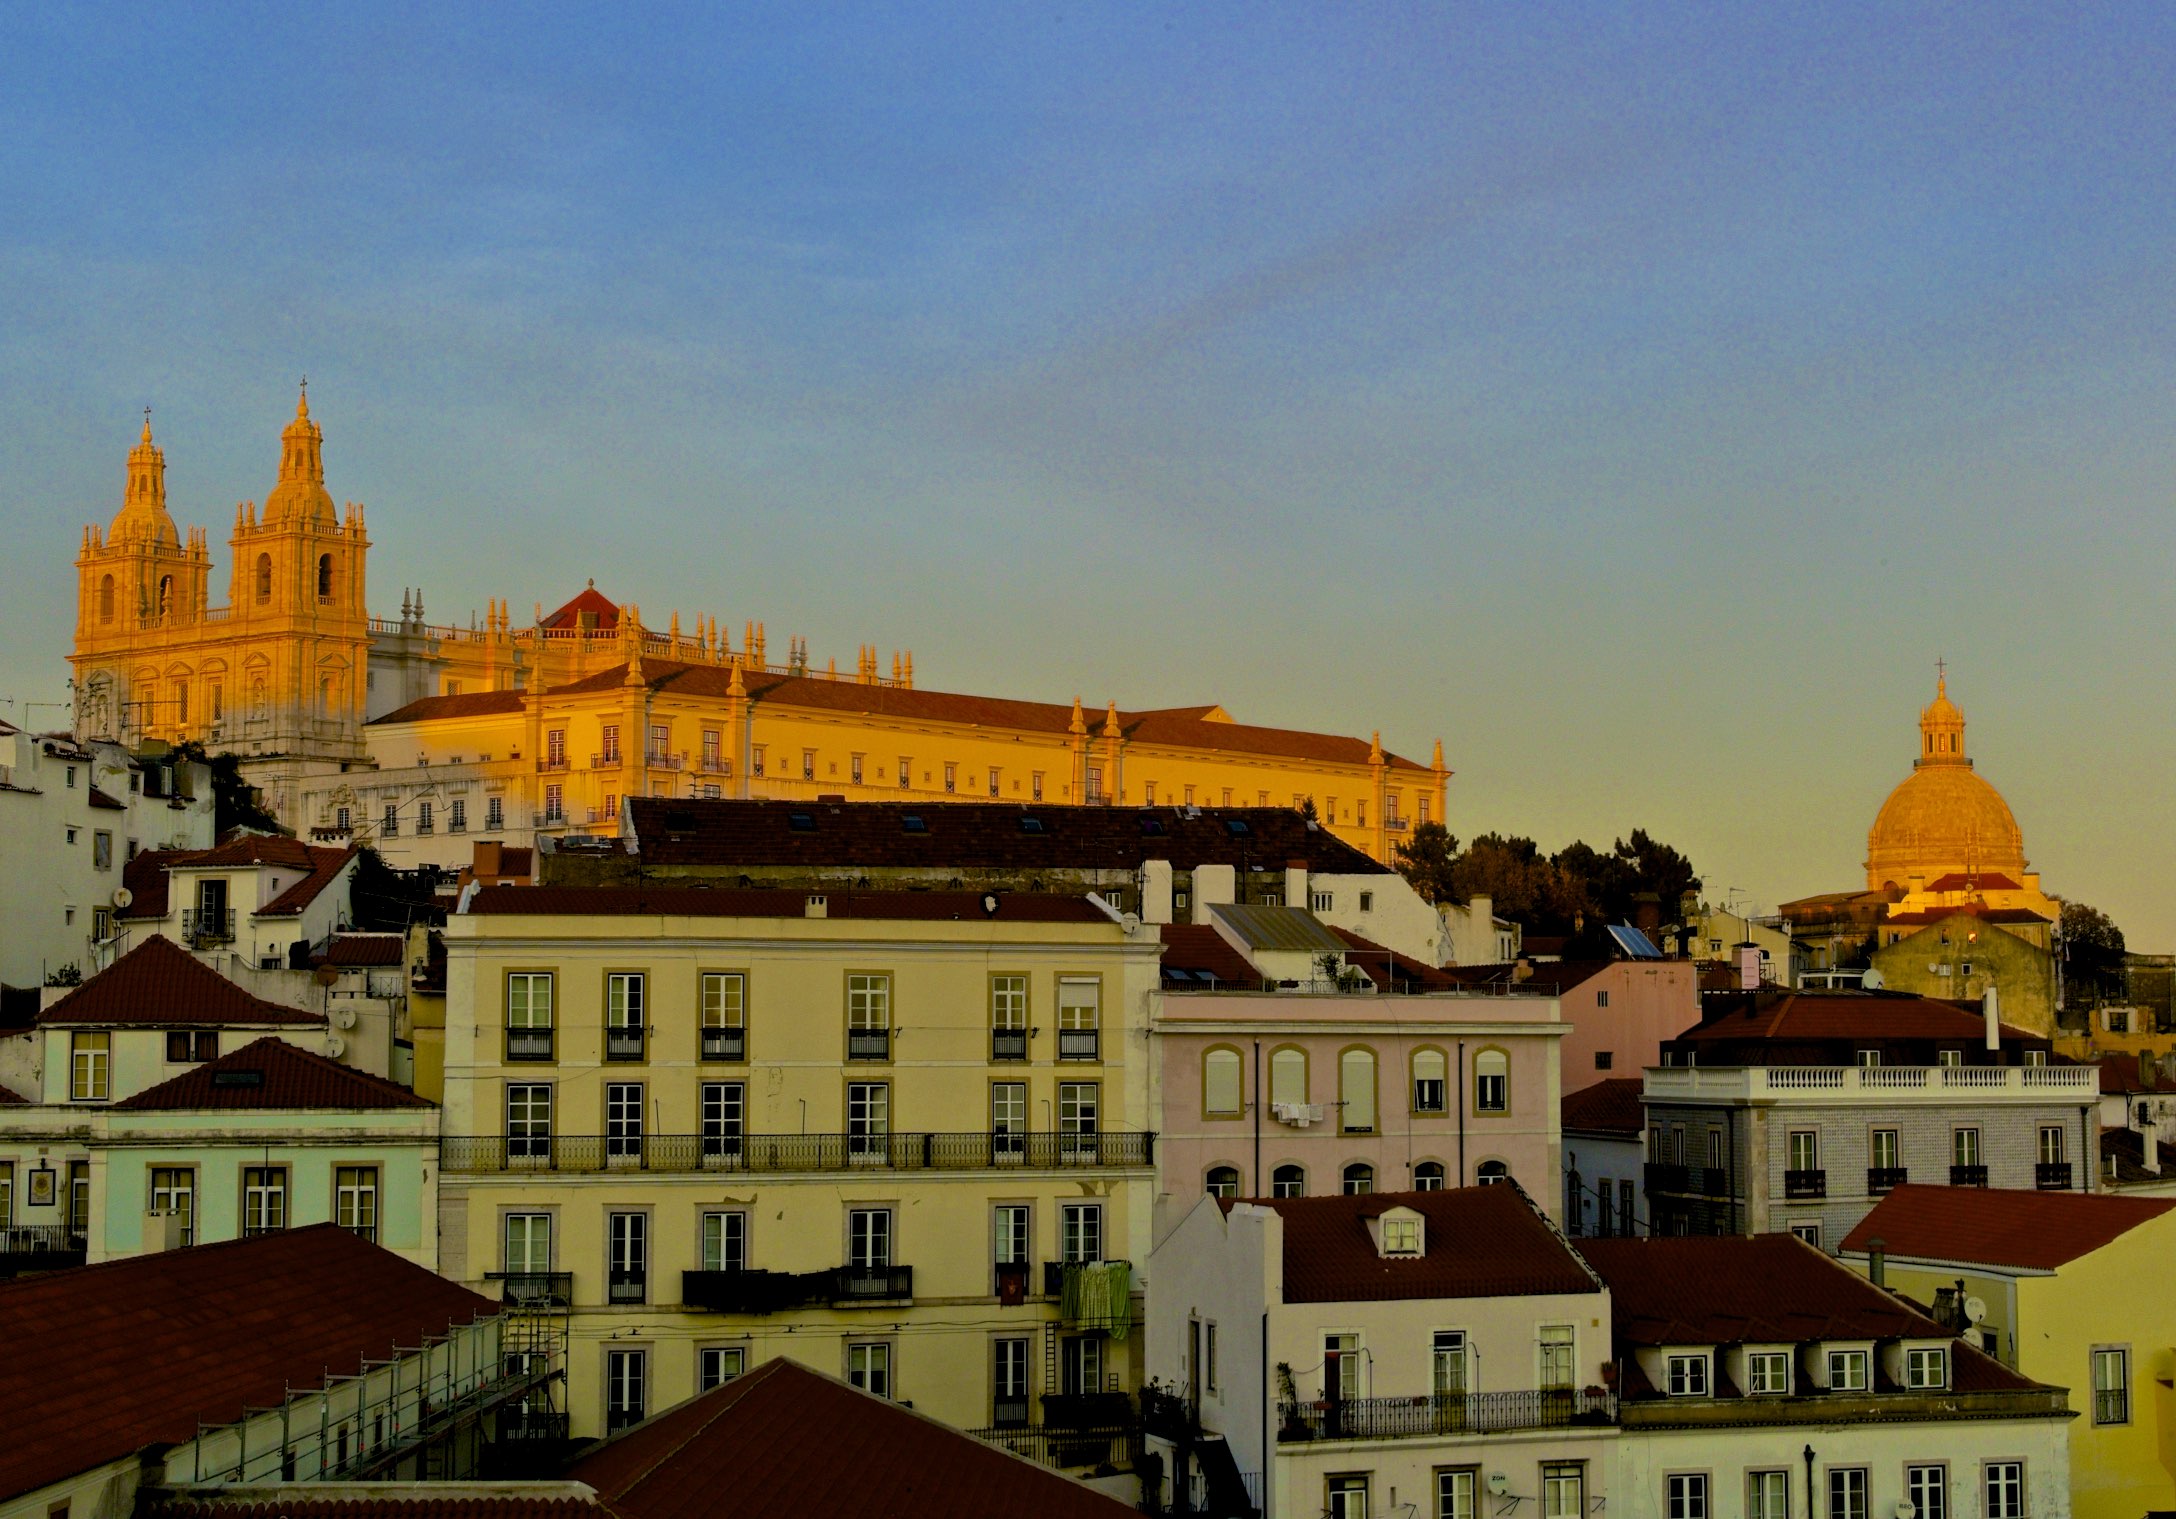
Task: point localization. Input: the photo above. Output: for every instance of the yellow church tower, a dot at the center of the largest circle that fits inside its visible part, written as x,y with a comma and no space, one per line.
278,673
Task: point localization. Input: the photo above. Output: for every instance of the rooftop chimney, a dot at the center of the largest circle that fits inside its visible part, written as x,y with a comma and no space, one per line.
1877,1262
1990,1007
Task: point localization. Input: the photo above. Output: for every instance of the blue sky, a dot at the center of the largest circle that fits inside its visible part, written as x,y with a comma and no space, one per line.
1638,398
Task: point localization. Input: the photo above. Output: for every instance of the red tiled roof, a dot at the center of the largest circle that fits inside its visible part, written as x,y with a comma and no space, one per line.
1979,910
2031,1230
146,880
325,868
100,799
460,1501
148,877
2125,1149
103,1361
589,599
1849,1016
2119,1074
363,949
787,1440
980,836
252,849
10,1099
1389,969
1479,1242
1607,1107
286,1078
1199,947
1546,976
735,902
1993,880
465,704
160,983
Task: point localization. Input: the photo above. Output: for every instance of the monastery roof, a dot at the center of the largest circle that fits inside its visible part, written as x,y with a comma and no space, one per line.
589,599
107,1360
1930,915
271,1074
158,983
1193,951
465,704
738,902
1479,1242
981,836
1607,1107
1991,880
2033,1231
784,1439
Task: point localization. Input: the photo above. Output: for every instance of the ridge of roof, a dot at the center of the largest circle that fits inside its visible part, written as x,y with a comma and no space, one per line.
700,901
1479,1242
2033,1231
289,1078
160,983
1607,1107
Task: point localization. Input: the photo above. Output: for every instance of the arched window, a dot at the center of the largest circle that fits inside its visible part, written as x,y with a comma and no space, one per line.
1492,1171
264,577
1288,1181
1356,1091
1223,1181
1429,1085
166,594
324,577
1428,1177
105,599
1288,1076
1492,1082
1220,1084
1359,1179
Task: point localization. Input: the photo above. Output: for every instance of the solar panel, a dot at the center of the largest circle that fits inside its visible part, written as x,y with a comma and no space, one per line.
1031,825
801,822
1236,825
1636,945
913,822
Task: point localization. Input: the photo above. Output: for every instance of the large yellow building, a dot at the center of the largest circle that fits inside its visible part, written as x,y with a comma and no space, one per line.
419,737
900,1137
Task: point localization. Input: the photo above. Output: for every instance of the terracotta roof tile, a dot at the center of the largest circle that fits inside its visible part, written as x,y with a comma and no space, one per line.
2031,1230
461,1500
1979,910
591,600
1389,970
787,1440
270,1073
160,983
363,949
1199,948
735,902
1607,1107
1993,880
146,879
105,1360
325,868
980,836
2126,1150
1479,1242
1845,1016
253,849
466,704
99,799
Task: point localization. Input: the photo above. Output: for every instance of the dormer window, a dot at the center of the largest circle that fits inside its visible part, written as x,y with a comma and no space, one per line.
1399,1232
1847,1371
1688,1375
1926,1368
1768,1373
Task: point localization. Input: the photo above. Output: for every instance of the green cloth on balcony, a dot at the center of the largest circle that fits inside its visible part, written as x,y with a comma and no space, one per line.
1118,1297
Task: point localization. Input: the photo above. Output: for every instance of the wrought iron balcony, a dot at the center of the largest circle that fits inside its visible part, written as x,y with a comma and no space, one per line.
528,1044
534,1289
1664,1176
1009,1044
623,1043
725,1044
1968,1176
797,1152
869,1044
1886,1178
1434,1416
2051,1175
1813,1183
760,1292
40,1247
1009,1411
626,1284
1078,1044
1710,1181
208,926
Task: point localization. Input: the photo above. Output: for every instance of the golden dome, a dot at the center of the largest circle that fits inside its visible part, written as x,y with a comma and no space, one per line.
300,495
1944,819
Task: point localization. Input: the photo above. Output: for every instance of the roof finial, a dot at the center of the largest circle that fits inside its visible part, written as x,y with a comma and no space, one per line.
1941,670
302,404
147,424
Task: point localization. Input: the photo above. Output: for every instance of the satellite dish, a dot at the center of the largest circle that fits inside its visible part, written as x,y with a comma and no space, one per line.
122,896
326,975
1498,1484
989,904
1975,1309
1872,980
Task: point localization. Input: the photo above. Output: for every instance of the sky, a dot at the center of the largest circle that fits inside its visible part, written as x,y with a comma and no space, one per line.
1640,399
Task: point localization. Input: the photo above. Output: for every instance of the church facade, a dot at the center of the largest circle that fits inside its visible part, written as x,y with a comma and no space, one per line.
421,738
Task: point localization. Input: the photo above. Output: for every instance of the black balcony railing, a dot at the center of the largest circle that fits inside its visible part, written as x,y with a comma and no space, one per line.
1009,1044
1469,1413
528,1044
1059,1449
1805,1183
1009,1411
208,926
760,1292
1968,1176
1171,1413
626,1284
530,1428
39,1247
868,1044
1664,1176
725,1044
1886,1178
797,1152
534,1289
623,1044
2112,1405
1711,1181
2051,1175
1078,1043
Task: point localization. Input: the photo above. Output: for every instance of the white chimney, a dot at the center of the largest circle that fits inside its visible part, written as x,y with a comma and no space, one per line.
818,907
1990,1006
1296,884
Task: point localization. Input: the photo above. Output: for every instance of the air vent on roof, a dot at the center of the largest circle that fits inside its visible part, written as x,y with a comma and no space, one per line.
1236,825
802,822
1031,825
913,822
238,1078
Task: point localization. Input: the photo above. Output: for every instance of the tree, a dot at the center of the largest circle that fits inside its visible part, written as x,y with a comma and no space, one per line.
2093,949
1429,861
1577,885
1307,810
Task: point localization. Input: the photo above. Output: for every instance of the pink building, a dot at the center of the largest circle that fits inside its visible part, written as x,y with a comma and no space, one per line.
1619,1012
1317,1091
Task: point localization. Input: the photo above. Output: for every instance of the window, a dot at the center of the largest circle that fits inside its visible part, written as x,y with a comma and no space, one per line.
1715,1150
808,764
1341,1365
1555,1363
1079,1017
1847,1371
1287,1077
1966,1165
1009,1382
1926,1368
1209,1355
2112,1385
725,1015
626,1388
1805,1150
1490,1172
555,804
1356,1091
627,1257
7,1193
264,577
1008,1120
1604,1059
1008,1017
1491,1082
1768,1496
1949,1057
951,777
424,819
868,1017
264,1200
1884,1150
868,1238
528,1121
1564,1490
1810,1232
89,1066
1428,1177
355,1200
1688,1375
1035,786
1928,1489
1401,1236
2036,1057
717,1365
101,850
1847,1492
1348,1495
173,1192
190,1046
724,1103
1768,1372
1079,1103
1288,1181
79,1196
755,759
610,745
1358,1179
1454,1493
529,1015
1011,1223
1869,1058
1367,898
623,1027
868,1121
457,816
2051,1144
1080,1232
623,1120
1428,1081
869,1367
2005,1490
1688,1495
1220,1084
528,1243
1223,1181
555,749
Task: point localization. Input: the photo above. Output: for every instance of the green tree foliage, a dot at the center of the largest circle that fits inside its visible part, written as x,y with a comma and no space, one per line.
1578,884
2093,952
1427,860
